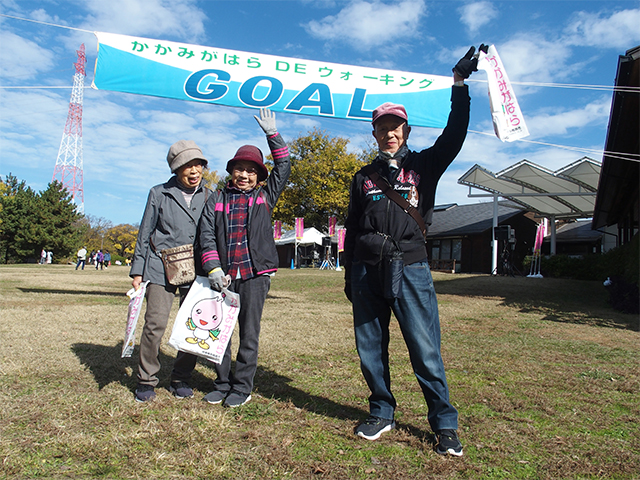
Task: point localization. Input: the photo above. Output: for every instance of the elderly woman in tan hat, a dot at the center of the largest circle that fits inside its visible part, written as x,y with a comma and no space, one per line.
170,219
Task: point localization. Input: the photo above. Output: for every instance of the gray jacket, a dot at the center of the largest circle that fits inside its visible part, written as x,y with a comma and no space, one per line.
168,222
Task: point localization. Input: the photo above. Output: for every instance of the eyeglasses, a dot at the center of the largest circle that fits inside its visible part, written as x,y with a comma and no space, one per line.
248,170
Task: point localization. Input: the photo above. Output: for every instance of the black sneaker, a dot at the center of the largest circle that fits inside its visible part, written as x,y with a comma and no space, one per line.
145,393
181,389
373,427
236,399
448,443
215,397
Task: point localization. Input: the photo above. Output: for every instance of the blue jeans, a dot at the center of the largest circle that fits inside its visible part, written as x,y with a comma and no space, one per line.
417,314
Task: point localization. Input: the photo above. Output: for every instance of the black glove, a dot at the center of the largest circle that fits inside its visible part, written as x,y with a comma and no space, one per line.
347,290
467,64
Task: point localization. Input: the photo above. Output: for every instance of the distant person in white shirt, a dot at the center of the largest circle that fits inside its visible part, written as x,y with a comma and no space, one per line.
82,257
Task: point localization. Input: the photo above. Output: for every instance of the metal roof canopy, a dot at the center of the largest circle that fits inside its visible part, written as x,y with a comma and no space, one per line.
564,194
567,193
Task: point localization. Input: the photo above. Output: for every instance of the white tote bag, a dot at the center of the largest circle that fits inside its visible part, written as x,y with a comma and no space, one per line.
205,321
135,305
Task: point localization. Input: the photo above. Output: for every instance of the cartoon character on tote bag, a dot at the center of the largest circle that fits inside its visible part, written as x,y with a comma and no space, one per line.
206,317
205,321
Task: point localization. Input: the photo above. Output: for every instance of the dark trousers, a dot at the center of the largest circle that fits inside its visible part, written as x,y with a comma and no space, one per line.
253,293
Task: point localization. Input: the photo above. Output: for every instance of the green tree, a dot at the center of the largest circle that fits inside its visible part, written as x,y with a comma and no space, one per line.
59,222
18,235
3,190
370,152
95,235
30,222
321,174
211,179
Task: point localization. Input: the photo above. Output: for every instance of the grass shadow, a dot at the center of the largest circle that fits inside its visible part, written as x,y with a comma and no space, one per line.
271,384
71,292
106,365
425,436
274,385
271,296
578,302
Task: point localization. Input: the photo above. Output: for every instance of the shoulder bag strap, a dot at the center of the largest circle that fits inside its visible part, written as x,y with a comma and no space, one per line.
153,247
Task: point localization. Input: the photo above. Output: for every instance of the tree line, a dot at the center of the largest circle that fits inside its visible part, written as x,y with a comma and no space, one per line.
318,188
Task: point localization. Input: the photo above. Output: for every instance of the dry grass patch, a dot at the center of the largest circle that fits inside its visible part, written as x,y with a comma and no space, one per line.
545,375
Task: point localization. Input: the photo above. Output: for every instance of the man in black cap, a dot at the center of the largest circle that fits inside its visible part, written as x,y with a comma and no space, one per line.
386,266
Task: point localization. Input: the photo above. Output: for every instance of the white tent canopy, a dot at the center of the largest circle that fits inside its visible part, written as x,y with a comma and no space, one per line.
309,237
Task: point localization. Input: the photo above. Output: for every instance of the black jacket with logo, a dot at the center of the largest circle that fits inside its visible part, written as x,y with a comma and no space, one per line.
372,217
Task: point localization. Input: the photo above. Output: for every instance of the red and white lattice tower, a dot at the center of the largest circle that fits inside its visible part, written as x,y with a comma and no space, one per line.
68,170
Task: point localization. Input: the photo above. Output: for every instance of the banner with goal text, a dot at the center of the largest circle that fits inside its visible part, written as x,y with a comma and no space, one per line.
234,78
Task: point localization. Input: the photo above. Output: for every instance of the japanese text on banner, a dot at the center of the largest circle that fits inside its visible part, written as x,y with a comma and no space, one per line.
243,79
508,121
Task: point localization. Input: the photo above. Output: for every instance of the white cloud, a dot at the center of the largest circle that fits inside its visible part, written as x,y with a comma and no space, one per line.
215,115
306,123
421,138
32,123
535,59
487,151
564,122
543,58
42,15
620,30
369,24
175,18
476,15
21,59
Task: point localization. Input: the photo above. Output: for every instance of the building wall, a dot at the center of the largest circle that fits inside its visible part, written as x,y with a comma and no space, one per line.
477,250
610,238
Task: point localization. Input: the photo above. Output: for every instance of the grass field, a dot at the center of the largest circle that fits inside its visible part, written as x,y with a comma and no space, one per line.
545,375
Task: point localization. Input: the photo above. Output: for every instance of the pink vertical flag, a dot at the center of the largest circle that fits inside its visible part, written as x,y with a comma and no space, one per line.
299,228
342,232
332,226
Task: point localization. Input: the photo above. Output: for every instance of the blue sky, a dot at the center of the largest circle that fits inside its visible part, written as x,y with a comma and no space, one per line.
126,137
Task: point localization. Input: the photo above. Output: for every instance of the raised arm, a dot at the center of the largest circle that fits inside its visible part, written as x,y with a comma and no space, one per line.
279,152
